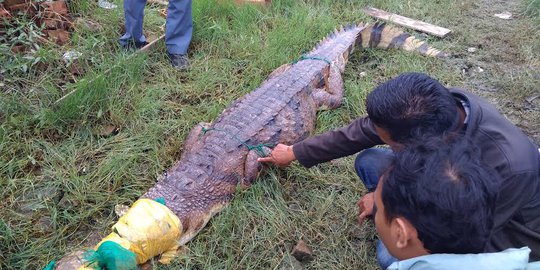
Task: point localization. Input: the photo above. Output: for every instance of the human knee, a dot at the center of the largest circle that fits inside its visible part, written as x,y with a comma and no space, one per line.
370,158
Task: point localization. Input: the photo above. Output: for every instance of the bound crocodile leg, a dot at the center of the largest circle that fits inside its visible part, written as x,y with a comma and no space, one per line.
331,95
193,142
252,167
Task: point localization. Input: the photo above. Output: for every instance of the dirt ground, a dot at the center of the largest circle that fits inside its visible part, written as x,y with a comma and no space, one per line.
508,57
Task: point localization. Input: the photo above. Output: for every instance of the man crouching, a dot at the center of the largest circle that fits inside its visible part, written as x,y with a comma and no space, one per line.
435,203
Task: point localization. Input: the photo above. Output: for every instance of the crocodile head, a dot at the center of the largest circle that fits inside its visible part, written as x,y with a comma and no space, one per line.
195,199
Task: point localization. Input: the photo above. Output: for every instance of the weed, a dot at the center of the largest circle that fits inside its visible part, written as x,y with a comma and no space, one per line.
21,34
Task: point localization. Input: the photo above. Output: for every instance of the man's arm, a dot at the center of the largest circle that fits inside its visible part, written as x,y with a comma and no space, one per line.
357,136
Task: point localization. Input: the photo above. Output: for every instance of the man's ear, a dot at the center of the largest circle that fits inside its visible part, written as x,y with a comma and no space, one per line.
403,232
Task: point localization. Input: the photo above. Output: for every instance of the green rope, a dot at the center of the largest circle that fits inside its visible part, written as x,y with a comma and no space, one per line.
50,266
258,148
160,200
111,256
307,57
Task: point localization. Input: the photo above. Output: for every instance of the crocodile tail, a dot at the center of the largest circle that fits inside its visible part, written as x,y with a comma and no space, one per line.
381,35
339,33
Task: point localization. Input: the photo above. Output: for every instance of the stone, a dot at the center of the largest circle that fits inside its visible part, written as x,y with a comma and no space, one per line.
55,7
472,49
302,252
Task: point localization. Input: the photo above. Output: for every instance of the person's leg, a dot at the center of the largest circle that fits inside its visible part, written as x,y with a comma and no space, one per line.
383,256
179,26
370,164
134,16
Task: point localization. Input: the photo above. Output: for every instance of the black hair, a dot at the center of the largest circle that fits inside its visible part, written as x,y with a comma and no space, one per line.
446,192
412,105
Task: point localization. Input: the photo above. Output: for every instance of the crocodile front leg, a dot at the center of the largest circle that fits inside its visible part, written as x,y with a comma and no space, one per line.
331,96
192,141
252,167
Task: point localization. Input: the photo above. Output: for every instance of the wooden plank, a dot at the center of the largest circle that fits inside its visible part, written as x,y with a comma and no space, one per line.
408,22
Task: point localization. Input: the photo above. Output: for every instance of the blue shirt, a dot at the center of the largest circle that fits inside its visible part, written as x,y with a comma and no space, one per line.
512,258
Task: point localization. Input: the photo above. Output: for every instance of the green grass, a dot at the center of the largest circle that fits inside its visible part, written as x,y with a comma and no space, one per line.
61,176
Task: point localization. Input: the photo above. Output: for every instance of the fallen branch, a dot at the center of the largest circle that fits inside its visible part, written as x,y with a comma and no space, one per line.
151,44
408,22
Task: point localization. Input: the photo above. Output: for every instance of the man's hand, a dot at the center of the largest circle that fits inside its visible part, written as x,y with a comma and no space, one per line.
282,156
365,205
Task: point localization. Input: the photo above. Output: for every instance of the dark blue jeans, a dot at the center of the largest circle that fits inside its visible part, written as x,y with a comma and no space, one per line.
178,28
369,165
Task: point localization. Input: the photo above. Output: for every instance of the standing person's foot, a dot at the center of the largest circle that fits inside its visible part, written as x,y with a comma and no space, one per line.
179,61
133,45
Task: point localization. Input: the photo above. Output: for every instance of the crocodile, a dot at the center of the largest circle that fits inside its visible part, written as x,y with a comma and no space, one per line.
282,110
221,156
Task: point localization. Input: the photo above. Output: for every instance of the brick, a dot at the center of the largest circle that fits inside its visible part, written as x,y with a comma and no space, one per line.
58,7
25,8
58,36
9,3
52,20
